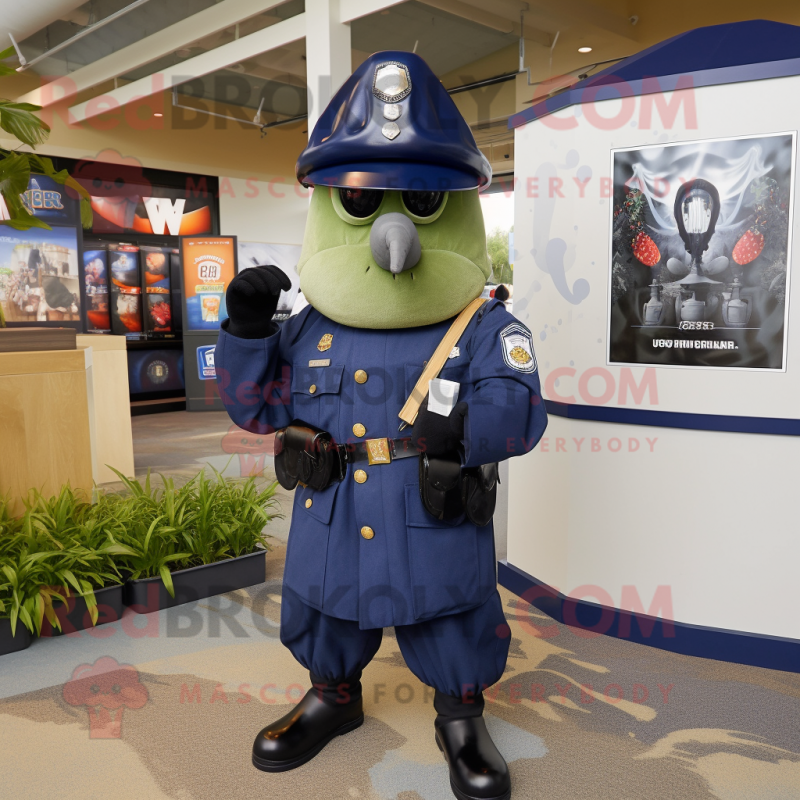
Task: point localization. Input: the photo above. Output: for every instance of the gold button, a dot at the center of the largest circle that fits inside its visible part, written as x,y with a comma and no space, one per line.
359,429
359,476
360,376
367,532
309,503
312,388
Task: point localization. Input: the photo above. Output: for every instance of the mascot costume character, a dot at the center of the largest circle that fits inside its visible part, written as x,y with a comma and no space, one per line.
391,524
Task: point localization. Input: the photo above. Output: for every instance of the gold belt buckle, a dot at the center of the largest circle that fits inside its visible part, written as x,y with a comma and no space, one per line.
378,451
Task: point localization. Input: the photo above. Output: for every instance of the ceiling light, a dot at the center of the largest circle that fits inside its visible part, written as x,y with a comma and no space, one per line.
157,114
584,49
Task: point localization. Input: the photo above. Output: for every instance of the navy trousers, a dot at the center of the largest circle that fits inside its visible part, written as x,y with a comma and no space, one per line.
455,654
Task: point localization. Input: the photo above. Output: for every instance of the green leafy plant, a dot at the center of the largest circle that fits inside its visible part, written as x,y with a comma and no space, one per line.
63,547
16,168
54,552
35,572
204,521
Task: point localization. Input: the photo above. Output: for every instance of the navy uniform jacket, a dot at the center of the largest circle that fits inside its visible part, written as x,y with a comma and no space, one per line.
414,567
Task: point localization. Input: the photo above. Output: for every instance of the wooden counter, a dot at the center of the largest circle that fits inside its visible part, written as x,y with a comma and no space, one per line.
109,405
44,422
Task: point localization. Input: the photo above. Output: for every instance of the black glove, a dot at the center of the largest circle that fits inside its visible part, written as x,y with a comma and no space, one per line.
252,299
437,435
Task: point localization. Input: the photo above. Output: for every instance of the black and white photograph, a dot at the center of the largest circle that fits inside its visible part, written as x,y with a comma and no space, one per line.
700,247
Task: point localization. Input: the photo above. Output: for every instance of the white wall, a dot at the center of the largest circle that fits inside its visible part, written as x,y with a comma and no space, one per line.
708,514
259,211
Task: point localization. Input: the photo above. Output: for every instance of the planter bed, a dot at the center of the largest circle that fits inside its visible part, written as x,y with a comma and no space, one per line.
109,606
194,583
9,643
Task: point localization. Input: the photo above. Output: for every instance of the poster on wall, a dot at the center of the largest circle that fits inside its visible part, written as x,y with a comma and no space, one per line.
700,244
95,277
39,280
126,290
285,256
155,263
208,267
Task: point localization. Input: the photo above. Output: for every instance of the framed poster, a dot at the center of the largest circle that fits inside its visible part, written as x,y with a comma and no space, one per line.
700,244
39,277
95,278
208,265
157,310
126,290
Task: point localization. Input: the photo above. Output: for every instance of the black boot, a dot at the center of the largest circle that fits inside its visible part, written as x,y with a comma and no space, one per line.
477,770
327,710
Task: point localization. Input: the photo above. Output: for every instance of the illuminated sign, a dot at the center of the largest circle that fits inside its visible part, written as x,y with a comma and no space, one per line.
36,199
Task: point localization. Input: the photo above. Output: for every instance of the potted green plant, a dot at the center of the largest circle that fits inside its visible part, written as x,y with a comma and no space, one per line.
66,523
34,574
204,538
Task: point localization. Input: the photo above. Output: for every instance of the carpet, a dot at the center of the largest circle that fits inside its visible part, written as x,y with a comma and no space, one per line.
165,706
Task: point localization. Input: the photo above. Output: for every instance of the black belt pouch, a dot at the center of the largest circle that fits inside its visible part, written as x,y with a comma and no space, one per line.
479,493
308,456
440,487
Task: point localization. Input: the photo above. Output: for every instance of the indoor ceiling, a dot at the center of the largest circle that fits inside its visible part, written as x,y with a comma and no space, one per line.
462,40
449,34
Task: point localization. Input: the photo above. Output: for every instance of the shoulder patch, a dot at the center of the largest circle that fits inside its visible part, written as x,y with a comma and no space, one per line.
517,345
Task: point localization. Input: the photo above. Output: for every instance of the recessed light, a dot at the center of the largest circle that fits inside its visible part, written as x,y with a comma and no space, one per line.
157,114
584,49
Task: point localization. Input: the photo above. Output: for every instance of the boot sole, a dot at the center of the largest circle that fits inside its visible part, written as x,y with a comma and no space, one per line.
463,796
284,766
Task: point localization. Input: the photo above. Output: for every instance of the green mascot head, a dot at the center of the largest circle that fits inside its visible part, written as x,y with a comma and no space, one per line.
395,235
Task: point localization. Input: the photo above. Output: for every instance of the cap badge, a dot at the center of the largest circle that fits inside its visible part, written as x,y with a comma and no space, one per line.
391,130
391,82
392,111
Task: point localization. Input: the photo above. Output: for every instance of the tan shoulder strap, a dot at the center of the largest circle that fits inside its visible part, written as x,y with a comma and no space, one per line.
408,413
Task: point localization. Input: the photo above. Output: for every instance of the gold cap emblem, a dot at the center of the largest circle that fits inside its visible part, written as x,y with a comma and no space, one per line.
325,342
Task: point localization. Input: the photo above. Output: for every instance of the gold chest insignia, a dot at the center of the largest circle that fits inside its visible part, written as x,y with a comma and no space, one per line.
325,342
520,355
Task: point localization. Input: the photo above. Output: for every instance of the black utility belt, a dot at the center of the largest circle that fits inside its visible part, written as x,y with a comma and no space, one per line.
309,456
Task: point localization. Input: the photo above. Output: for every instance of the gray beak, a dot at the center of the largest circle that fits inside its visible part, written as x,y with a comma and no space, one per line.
395,243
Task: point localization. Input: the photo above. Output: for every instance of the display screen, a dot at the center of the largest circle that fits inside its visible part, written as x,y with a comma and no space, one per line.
39,279
95,276
127,198
126,289
208,265
51,202
155,263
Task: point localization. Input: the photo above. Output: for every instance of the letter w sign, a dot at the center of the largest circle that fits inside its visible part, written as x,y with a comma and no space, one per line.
163,213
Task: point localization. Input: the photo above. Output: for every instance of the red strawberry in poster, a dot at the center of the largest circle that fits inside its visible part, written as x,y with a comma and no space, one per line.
645,249
749,247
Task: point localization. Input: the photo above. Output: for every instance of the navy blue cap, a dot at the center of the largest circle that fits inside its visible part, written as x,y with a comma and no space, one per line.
392,125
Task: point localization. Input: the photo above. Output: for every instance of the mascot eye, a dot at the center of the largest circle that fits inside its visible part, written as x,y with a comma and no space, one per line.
360,203
423,204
